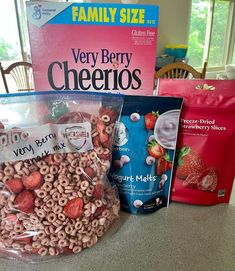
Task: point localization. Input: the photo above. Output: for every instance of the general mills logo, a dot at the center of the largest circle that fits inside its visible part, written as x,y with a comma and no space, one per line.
37,14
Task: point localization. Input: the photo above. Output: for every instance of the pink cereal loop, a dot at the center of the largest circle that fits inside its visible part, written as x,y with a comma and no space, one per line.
95,223
50,203
61,217
77,249
41,193
62,243
18,228
57,158
47,186
49,177
105,118
93,119
98,203
79,171
33,219
93,155
52,251
9,171
41,163
64,181
74,163
43,251
41,235
84,185
57,209
36,245
106,151
76,178
44,170
46,198
45,242
61,234
56,196
62,201
54,169
99,150
78,225
82,164
109,130
6,178
51,217
106,213
60,188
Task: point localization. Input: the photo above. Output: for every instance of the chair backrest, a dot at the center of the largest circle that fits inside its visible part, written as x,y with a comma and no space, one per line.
180,70
22,74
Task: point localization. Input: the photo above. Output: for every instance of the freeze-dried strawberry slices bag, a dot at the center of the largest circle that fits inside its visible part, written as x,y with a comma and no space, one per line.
205,166
55,152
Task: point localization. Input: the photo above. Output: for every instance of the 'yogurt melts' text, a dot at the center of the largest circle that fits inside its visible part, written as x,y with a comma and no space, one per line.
138,178
108,15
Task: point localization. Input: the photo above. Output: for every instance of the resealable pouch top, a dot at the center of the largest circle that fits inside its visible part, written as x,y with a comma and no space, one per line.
143,153
205,165
55,153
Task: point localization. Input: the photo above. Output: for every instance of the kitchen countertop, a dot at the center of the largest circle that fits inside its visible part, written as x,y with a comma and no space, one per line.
179,238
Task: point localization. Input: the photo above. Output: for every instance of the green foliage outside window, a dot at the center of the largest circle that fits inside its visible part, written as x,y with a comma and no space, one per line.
7,52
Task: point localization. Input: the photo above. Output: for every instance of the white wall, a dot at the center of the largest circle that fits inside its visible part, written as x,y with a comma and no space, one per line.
173,20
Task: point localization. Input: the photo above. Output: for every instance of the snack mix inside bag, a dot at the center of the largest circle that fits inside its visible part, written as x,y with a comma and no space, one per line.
55,152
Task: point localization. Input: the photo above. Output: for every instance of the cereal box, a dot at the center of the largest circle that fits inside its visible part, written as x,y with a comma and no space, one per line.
93,47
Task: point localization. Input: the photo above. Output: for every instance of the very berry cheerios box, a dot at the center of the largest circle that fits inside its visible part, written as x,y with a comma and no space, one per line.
93,47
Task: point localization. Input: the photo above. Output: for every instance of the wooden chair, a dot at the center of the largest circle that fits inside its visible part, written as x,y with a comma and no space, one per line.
22,75
180,70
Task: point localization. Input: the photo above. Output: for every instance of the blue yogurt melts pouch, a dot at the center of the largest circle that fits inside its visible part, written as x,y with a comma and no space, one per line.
144,151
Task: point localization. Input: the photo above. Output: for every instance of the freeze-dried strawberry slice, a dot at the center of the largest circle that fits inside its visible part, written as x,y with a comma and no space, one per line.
99,211
104,137
33,181
15,185
192,180
25,201
74,208
89,174
208,180
99,191
23,239
100,126
11,218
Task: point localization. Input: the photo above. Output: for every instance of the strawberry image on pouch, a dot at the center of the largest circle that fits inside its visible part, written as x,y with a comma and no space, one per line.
208,180
155,150
163,165
150,120
188,162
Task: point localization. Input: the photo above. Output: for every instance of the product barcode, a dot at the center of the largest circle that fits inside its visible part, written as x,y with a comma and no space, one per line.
221,193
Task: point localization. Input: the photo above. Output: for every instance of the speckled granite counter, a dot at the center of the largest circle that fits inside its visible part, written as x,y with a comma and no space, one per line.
178,238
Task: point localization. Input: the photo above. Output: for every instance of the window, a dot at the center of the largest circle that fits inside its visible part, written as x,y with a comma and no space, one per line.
211,37
14,44
233,61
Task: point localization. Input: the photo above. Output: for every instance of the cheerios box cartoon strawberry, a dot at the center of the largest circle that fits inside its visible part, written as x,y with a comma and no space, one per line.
143,153
205,165
93,47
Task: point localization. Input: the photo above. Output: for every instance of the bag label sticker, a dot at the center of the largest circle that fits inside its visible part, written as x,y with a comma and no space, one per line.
36,142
